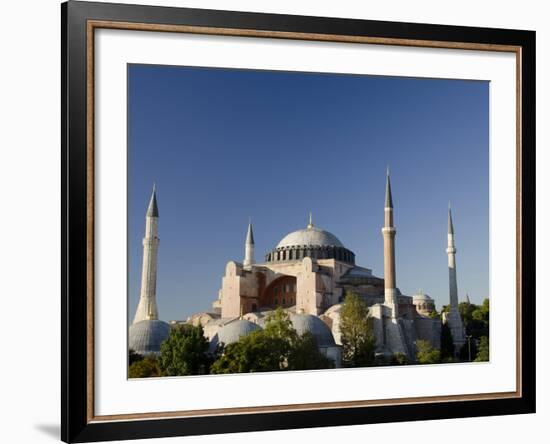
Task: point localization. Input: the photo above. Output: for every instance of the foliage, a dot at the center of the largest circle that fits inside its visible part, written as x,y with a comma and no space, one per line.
483,349
133,357
184,352
357,333
447,345
475,318
305,355
278,328
251,353
144,368
426,354
434,315
399,359
277,347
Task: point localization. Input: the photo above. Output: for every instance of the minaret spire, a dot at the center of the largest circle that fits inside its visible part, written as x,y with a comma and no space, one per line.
147,307
152,209
450,228
388,233
453,316
249,246
389,200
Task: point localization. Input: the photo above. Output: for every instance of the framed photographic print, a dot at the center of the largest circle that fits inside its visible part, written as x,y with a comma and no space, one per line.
276,221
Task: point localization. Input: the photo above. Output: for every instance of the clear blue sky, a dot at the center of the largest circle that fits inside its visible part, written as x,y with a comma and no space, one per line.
223,145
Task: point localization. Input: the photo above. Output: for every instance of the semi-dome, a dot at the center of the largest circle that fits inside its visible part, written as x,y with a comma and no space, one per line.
310,236
146,336
231,332
303,323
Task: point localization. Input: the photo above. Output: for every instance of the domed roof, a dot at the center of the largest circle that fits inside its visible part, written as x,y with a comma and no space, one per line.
232,331
308,323
310,236
422,297
146,336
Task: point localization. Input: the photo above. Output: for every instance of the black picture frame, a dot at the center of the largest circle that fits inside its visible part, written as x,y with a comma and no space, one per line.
76,424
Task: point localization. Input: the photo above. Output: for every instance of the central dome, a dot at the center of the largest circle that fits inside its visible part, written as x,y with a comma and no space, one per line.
310,242
310,236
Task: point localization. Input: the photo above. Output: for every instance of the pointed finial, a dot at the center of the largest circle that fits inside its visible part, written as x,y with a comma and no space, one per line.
389,200
250,233
310,224
467,298
450,228
153,210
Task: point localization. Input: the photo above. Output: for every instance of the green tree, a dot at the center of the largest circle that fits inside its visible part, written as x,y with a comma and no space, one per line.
479,324
144,368
426,354
184,352
251,353
277,347
305,355
483,350
399,359
434,315
475,318
357,334
278,329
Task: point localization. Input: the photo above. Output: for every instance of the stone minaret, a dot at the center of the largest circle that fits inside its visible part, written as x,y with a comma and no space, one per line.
147,307
388,232
249,247
453,316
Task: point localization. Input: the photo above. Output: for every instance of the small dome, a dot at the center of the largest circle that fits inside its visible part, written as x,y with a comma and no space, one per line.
310,236
146,336
232,331
422,297
308,323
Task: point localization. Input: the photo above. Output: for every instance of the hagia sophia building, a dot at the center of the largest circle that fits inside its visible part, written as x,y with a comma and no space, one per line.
307,274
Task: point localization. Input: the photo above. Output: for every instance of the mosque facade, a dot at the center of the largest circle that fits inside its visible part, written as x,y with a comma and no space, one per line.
307,274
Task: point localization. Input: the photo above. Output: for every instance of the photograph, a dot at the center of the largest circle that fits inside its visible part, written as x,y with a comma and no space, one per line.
298,221
276,221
